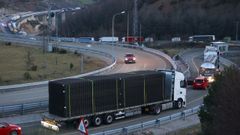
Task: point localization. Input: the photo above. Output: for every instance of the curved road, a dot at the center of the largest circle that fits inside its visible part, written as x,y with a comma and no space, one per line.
145,61
194,97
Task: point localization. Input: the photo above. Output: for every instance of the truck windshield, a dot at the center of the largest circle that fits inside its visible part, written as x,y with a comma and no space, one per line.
183,84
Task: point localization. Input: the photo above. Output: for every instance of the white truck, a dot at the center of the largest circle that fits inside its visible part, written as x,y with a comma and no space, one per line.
109,39
210,54
210,65
221,47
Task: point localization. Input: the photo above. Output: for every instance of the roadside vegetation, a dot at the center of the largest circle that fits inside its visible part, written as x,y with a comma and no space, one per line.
160,19
24,64
220,113
193,130
174,48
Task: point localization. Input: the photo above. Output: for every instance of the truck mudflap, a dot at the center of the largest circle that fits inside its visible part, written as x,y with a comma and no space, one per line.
52,125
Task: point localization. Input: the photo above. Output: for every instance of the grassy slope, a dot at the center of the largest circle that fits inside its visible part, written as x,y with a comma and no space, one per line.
49,66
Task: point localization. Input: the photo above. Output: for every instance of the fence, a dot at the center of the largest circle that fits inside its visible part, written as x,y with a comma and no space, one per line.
42,105
153,123
21,109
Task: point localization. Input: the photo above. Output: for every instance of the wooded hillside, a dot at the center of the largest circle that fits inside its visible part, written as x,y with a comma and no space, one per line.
160,19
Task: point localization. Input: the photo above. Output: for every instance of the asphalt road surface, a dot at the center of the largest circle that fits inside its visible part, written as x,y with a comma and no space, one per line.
144,61
194,98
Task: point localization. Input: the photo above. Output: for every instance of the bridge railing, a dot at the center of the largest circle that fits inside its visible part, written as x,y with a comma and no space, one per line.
21,109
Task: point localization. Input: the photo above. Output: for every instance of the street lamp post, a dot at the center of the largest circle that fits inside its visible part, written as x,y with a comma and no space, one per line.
237,30
127,25
113,21
57,16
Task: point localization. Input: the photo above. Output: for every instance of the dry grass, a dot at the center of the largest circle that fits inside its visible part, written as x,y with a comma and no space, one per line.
172,51
49,65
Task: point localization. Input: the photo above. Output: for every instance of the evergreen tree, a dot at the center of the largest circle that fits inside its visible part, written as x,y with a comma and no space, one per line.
220,113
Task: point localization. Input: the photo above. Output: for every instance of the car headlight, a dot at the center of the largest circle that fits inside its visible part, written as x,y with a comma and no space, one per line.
134,58
211,79
126,58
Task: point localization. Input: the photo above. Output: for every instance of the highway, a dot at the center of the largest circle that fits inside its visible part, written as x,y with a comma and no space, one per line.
145,61
194,98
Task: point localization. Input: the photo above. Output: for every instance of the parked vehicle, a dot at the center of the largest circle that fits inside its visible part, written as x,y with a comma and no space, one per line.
132,39
105,98
176,39
85,39
200,82
10,129
202,38
129,58
108,39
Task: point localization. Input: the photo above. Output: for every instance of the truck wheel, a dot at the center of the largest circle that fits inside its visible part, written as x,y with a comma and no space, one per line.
179,104
108,119
157,109
97,120
86,122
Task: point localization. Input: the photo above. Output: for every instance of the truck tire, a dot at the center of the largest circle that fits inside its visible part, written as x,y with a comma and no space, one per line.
157,109
108,118
86,122
97,120
179,104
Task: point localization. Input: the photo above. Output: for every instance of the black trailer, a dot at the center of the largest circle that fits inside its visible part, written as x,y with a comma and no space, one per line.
101,99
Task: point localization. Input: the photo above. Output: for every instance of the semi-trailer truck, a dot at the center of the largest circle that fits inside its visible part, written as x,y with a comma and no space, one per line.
105,98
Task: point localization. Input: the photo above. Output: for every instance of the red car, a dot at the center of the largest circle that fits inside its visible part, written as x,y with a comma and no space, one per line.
130,58
200,83
10,129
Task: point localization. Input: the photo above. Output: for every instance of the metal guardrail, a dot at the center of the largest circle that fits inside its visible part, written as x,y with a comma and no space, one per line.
38,106
149,50
21,109
150,124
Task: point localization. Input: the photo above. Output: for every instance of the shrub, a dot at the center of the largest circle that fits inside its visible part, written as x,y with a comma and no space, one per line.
34,68
62,51
75,52
71,66
8,43
27,76
165,51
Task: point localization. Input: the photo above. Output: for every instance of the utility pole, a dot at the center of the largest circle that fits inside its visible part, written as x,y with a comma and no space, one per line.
140,34
46,32
135,18
49,23
237,30
127,23
81,63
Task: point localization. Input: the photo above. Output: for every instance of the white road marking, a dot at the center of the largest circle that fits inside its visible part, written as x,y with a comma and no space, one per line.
196,67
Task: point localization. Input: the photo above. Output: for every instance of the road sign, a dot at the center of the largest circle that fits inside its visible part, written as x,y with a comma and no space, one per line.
82,127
